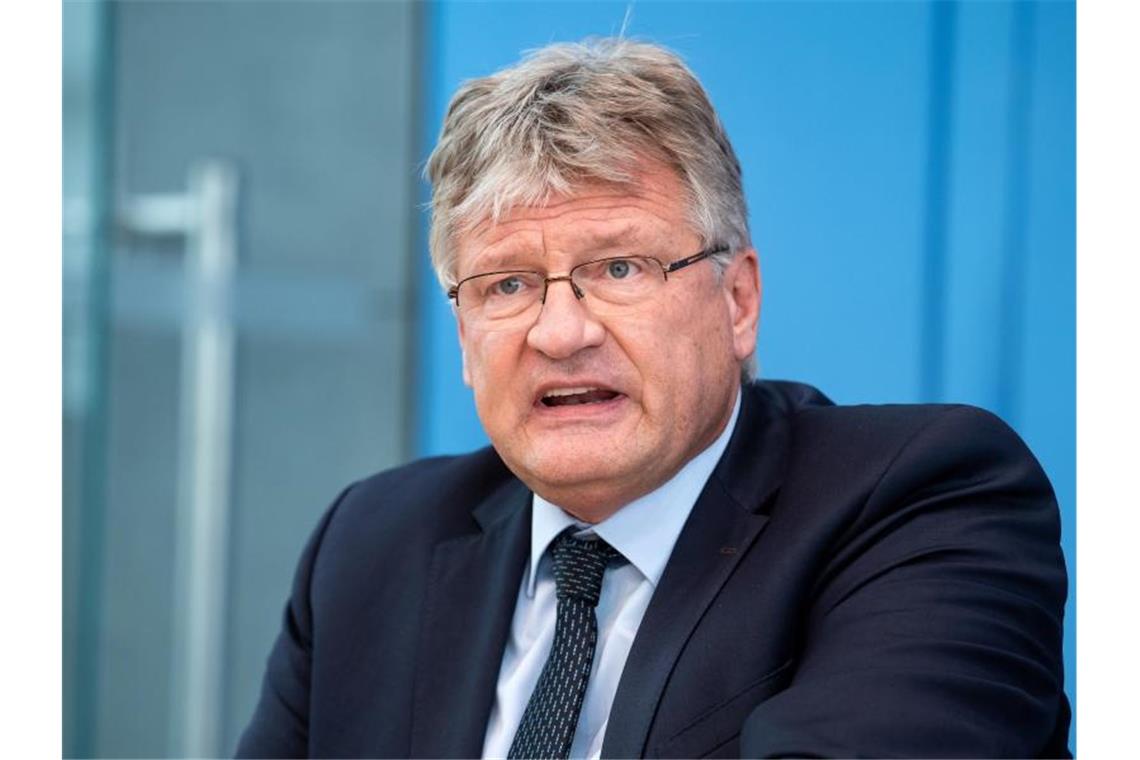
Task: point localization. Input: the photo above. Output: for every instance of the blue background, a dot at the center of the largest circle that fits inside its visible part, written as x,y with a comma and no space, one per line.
910,171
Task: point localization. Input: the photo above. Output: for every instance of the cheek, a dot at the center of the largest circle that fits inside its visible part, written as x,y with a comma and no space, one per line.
700,353
641,345
491,363
668,349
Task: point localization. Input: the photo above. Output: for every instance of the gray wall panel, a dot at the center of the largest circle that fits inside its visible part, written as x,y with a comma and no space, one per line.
313,101
132,707
306,409
314,105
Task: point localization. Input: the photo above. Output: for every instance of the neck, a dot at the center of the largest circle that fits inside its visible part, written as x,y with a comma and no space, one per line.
596,501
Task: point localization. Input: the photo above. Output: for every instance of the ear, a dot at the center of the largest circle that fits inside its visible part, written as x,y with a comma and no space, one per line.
743,291
463,351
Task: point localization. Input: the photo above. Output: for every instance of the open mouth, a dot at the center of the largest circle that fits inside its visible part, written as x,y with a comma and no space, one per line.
577,396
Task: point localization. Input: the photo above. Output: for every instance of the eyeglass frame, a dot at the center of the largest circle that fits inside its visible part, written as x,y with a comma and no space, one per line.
666,270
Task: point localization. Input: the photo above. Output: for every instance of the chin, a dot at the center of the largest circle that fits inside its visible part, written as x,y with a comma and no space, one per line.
571,466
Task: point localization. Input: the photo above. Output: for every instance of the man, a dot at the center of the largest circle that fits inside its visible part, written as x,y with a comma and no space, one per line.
654,557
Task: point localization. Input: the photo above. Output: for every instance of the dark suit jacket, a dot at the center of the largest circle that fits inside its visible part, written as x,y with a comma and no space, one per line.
852,581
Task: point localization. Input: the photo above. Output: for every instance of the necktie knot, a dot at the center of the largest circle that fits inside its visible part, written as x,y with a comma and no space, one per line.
579,564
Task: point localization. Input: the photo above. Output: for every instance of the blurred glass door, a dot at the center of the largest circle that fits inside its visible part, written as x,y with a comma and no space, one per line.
240,182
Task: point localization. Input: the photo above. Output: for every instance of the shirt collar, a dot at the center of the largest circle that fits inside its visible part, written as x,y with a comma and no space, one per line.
645,530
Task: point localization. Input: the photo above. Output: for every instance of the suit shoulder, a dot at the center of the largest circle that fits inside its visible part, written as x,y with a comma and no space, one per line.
898,424
432,497
874,445
810,412
438,474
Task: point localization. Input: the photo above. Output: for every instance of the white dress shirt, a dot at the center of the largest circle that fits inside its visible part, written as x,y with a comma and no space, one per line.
644,531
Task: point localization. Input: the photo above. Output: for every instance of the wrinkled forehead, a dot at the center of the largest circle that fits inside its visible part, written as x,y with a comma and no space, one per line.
595,218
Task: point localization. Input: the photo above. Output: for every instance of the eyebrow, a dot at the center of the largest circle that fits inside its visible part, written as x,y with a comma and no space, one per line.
523,258
508,261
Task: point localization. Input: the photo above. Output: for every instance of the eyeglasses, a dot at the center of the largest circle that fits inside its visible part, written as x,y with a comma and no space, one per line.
501,300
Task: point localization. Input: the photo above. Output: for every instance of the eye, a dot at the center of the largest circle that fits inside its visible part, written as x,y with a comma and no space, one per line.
508,286
619,269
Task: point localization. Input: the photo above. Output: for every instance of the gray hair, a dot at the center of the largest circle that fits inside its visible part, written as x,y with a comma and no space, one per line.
574,112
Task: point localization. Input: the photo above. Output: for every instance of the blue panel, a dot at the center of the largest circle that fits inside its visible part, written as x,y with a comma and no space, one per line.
978,195
939,98
827,111
1045,404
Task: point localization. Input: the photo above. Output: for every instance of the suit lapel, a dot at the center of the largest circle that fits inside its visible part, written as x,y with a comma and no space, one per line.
725,521
471,597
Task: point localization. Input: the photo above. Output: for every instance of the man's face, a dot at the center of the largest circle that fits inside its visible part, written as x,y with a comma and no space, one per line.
666,370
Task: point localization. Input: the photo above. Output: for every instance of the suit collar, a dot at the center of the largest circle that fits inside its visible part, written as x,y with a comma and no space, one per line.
501,506
472,589
729,515
752,468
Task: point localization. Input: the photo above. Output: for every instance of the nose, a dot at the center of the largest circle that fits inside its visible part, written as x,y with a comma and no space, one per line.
564,325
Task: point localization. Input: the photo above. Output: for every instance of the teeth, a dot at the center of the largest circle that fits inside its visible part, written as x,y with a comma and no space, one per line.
567,392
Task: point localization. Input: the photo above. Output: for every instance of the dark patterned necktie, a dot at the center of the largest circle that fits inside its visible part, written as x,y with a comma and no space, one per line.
551,718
